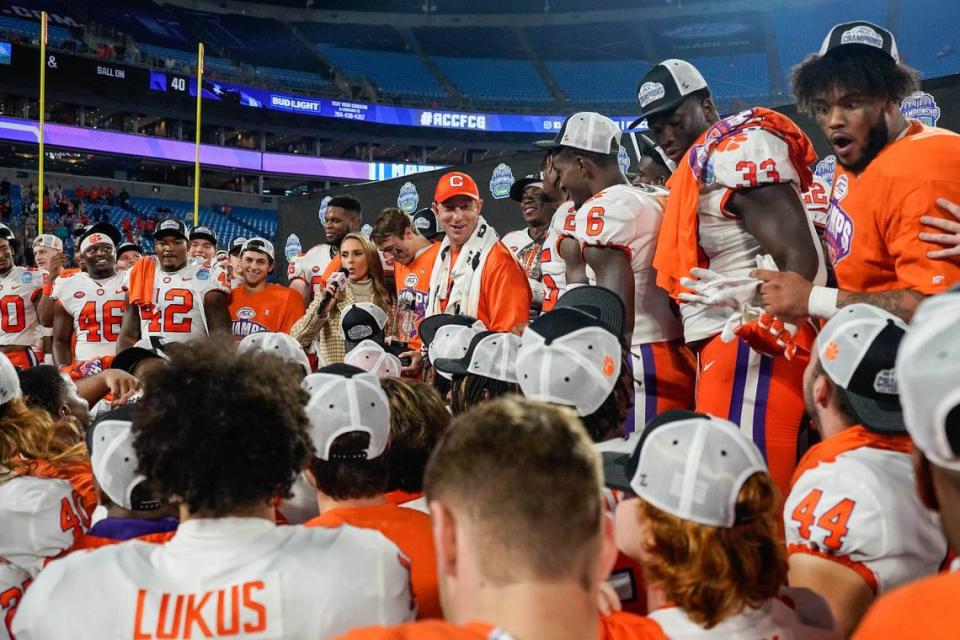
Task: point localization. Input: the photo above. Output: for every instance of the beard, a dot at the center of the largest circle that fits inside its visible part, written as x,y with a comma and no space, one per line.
877,139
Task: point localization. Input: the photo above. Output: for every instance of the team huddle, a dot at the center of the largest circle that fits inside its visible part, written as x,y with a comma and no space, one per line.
719,398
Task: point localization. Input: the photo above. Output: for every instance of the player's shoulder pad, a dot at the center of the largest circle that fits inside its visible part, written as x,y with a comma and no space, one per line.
750,158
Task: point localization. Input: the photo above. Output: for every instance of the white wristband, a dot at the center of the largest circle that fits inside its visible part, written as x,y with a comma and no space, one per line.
822,302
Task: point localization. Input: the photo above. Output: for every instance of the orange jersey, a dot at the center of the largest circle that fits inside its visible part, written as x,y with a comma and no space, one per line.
617,626
874,218
413,289
922,609
505,295
275,309
411,531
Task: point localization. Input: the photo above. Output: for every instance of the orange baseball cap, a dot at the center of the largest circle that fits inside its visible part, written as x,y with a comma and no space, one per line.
455,184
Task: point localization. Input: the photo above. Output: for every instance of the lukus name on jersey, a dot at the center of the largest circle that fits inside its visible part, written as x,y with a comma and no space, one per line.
249,609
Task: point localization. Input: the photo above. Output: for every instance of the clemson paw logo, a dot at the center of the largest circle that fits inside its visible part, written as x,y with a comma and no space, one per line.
731,143
832,351
608,367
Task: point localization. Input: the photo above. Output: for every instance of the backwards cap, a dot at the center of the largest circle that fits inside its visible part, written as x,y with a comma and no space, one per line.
345,399
279,344
489,354
587,131
371,356
114,460
928,373
9,380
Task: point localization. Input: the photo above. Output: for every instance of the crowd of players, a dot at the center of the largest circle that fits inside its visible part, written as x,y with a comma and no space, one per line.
721,401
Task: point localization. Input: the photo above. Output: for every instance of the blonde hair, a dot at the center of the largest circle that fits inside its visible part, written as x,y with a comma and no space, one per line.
28,434
381,294
715,572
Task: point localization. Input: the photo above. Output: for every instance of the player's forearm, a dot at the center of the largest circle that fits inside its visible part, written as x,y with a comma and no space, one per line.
61,352
45,311
900,302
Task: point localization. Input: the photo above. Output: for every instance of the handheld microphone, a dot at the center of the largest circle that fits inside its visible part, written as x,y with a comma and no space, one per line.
338,279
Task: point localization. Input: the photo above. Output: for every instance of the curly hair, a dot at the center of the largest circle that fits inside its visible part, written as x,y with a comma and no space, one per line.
470,390
418,417
715,572
221,431
31,434
42,387
860,70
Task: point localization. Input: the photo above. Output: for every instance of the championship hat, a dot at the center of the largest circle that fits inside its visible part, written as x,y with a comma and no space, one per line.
346,399
31,512
454,184
114,461
261,245
171,227
128,246
49,241
201,232
666,86
371,356
518,187
425,221
860,33
236,245
928,374
103,231
362,321
279,344
448,336
857,349
6,233
9,380
570,358
689,465
598,302
489,354
587,131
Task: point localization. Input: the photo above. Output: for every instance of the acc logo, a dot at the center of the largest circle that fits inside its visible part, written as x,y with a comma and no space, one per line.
411,280
366,230
624,159
26,277
246,313
921,106
79,294
839,189
292,248
322,213
203,274
501,181
886,382
408,199
650,91
862,34
826,168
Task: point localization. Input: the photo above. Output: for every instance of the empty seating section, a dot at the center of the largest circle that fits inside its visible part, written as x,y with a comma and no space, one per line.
470,42
606,83
581,42
353,36
933,42
494,80
398,73
743,78
294,79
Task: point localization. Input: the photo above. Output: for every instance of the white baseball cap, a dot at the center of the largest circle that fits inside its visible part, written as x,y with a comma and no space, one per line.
114,461
448,336
279,344
857,349
666,86
928,374
568,357
691,466
30,520
371,356
860,33
489,354
346,399
49,241
261,245
587,131
9,380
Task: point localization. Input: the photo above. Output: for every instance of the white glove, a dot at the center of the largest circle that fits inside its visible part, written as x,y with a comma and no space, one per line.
714,290
538,291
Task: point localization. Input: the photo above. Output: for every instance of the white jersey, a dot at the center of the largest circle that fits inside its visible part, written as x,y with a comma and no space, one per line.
552,265
758,157
96,307
18,317
797,614
310,266
860,507
629,218
526,250
242,577
13,582
177,312
39,518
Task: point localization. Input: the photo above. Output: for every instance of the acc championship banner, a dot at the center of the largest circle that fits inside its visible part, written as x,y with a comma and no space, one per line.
255,98
708,35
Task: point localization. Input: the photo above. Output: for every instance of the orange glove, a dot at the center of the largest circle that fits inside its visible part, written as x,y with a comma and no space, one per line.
770,336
